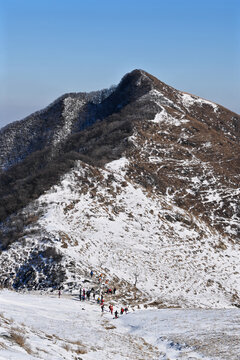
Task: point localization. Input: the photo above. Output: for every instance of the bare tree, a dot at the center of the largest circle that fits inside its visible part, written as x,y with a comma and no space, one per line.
136,275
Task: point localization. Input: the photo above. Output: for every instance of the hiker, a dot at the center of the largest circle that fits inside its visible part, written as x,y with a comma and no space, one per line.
59,293
80,294
102,307
84,292
98,300
101,298
114,290
116,314
126,309
88,295
111,308
122,310
91,273
108,291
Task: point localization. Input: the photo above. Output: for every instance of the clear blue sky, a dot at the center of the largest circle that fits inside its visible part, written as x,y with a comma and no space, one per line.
49,47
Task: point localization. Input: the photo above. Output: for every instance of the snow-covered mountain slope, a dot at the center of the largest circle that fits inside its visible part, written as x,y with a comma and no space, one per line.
48,127
100,219
145,190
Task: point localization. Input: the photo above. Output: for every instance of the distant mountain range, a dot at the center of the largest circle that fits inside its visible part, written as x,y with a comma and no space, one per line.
139,181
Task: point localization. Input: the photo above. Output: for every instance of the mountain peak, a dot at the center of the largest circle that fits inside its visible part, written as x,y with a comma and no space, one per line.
143,163
136,77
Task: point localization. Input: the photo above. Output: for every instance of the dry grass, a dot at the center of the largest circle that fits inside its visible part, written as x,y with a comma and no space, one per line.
220,246
66,347
110,327
10,321
41,350
80,350
2,345
64,245
77,342
19,339
68,207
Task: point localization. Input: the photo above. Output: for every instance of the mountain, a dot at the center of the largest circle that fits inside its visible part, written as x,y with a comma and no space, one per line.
139,182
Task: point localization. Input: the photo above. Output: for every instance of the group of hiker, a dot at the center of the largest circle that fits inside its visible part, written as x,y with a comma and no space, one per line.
122,311
86,294
83,294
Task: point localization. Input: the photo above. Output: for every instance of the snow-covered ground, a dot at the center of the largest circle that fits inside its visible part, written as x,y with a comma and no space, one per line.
41,326
188,334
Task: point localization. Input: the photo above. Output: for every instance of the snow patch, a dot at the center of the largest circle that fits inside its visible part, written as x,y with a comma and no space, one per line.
190,100
118,166
70,112
164,117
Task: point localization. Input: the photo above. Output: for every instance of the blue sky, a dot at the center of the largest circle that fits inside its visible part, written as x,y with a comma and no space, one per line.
50,47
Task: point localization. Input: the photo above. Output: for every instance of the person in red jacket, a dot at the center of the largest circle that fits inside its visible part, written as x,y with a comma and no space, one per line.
111,308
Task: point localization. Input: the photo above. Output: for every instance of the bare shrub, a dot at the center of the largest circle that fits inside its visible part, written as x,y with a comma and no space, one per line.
51,252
